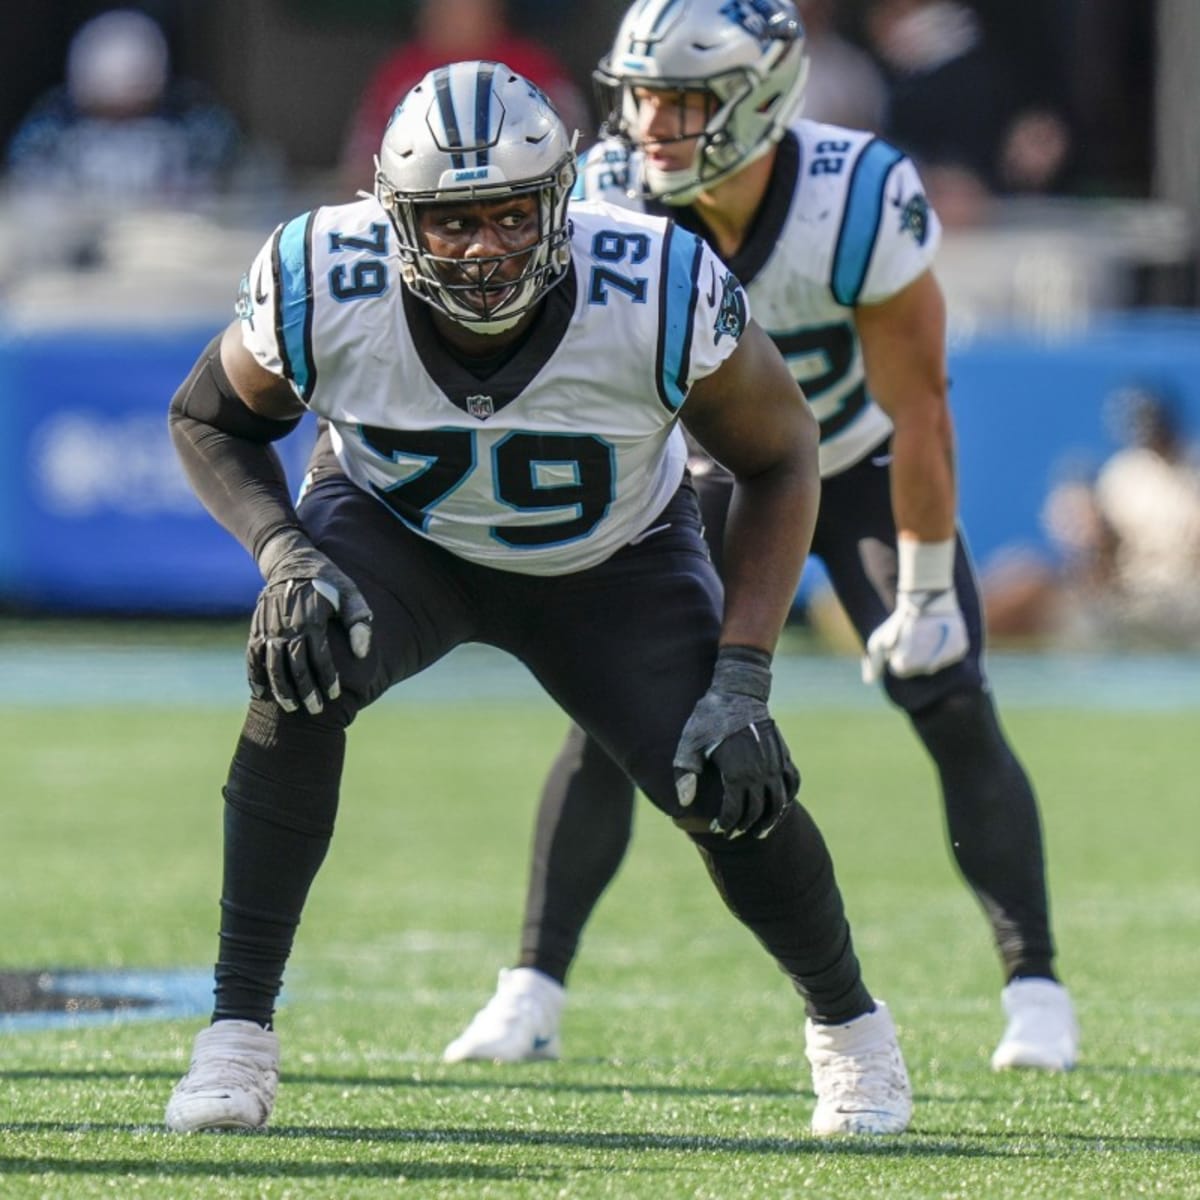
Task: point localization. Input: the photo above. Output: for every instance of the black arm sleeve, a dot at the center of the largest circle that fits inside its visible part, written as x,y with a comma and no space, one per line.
227,456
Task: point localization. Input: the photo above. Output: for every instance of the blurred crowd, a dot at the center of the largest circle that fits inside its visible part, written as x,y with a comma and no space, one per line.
984,110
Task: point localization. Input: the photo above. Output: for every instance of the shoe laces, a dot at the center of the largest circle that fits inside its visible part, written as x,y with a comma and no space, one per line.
509,1002
241,1069
872,1074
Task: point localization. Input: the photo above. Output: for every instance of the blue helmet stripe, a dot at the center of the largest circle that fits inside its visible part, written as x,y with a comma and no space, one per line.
860,220
483,107
662,15
449,116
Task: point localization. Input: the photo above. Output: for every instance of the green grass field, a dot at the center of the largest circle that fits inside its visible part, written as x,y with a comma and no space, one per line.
683,1072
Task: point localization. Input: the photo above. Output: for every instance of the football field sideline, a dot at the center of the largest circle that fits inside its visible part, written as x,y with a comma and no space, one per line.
52,674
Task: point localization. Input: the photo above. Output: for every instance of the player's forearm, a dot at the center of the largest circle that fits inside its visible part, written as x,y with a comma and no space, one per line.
924,492
234,471
767,537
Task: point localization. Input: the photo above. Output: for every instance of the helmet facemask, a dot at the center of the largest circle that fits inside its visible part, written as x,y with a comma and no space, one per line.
444,281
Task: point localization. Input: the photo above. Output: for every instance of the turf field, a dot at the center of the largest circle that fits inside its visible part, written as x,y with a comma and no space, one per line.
683,1073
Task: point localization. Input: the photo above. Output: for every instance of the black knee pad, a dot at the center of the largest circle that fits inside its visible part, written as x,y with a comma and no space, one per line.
962,721
287,768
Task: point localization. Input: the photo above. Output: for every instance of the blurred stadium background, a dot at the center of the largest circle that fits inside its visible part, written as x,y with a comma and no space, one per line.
1056,298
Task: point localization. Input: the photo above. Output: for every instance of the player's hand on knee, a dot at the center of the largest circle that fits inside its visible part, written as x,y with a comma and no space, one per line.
289,655
731,726
925,633
760,780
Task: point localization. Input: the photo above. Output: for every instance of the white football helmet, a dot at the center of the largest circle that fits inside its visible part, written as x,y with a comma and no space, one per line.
748,56
472,132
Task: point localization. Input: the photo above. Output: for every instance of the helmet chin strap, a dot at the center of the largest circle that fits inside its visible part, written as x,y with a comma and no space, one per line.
682,187
500,325
673,187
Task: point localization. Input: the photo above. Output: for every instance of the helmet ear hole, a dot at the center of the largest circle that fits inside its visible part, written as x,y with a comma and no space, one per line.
474,133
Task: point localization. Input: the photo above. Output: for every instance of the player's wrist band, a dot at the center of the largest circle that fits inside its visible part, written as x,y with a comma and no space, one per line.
925,566
743,670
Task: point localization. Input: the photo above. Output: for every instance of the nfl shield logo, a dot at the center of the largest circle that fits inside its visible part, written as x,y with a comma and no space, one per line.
480,407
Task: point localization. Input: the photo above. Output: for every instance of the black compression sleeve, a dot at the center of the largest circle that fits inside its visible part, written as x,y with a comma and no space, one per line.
226,454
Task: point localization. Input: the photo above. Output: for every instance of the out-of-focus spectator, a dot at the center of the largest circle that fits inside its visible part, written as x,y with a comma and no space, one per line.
1147,499
451,31
1035,150
120,131
844,86
1127,536
954,107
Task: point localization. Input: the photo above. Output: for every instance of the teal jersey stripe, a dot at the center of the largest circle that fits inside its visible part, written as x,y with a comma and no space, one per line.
295,302
860,220
577,191
681,267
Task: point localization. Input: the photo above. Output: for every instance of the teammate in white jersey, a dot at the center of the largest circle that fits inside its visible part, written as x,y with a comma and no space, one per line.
502,386
830,232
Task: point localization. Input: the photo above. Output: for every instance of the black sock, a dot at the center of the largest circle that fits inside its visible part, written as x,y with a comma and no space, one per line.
783,889
583,829
993,826
280,804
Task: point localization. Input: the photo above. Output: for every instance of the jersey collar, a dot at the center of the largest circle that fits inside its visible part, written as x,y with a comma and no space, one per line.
480,395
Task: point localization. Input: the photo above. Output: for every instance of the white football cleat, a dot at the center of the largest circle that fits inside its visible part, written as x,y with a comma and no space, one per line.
518,1024
231,1081
1042,1033
858,1075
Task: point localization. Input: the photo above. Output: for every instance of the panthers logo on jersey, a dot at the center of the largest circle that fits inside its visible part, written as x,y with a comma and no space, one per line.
731,316
243,307
914,218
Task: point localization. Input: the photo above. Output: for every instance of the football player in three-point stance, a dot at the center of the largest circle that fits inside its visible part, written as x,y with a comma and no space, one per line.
829,231
496,474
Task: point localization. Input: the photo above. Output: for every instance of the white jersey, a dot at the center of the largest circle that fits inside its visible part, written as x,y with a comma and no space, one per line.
561,454
845,222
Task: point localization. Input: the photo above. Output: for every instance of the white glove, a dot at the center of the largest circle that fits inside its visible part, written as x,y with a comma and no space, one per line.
926,631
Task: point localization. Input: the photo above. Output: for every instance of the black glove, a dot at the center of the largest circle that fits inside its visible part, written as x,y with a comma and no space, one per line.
288,654
731,726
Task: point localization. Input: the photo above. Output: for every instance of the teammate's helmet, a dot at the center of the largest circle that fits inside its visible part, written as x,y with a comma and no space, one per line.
471,132
747,55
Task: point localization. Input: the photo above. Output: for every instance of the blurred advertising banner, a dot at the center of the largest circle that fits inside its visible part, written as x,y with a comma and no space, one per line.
96,515
95,512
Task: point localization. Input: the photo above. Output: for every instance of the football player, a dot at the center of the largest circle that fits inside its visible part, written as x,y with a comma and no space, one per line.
496,474
829,231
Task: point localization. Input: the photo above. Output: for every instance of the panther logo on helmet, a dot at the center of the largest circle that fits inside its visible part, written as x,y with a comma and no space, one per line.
762,19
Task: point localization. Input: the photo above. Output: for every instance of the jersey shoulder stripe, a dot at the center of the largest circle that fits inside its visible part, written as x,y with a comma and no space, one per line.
683,253
861,219
578,190
292,264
